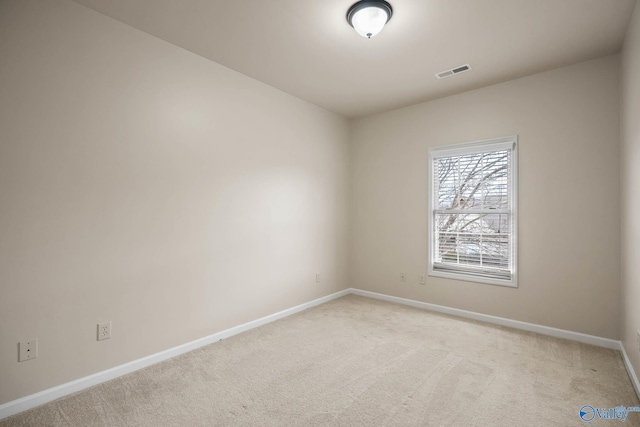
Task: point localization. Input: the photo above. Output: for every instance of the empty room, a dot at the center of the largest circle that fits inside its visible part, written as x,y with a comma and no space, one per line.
319,212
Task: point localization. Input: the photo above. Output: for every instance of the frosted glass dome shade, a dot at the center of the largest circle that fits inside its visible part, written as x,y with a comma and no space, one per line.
368,18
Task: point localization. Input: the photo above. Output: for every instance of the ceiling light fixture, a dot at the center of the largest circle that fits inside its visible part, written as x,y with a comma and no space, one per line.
368,17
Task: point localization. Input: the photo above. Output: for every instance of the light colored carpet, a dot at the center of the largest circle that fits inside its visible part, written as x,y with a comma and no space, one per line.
360,362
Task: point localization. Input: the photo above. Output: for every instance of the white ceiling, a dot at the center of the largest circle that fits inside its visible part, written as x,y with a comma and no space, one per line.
306,47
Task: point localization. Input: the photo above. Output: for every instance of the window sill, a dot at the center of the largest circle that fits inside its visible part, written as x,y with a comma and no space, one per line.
512,283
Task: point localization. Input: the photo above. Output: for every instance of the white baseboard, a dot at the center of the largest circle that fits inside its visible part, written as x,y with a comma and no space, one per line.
532,327
630,370
37,399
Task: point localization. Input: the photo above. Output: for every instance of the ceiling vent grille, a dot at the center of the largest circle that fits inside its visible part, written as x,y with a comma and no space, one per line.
452,71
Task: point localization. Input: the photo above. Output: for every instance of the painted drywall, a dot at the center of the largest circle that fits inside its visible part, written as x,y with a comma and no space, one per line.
145,185
567,121
630,188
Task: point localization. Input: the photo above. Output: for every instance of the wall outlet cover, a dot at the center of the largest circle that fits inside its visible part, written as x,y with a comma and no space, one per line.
28,350
104,331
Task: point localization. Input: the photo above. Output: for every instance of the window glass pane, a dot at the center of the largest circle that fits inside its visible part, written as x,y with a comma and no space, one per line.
495,191
470,176
448,248
473,181
447,179
495,251
473,239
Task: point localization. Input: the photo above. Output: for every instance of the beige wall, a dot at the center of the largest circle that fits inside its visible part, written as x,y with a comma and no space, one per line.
569,228
630,189
148,186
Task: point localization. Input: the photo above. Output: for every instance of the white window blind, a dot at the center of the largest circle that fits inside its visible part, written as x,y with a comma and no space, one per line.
473,211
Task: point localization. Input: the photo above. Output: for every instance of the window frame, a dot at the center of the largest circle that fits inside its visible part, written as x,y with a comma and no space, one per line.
475,147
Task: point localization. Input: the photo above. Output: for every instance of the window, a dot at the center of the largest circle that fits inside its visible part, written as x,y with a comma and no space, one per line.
472,202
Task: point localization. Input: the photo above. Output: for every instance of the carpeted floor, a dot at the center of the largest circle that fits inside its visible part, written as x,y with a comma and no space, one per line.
360,362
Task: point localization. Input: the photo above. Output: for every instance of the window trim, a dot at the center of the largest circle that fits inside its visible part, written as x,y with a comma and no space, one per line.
495,144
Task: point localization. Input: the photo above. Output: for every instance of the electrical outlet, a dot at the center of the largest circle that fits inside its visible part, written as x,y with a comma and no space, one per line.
403,277
317,277
422,280
104,331
28,350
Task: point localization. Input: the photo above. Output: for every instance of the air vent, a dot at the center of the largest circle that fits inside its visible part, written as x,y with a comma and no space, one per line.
451,72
